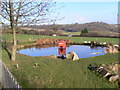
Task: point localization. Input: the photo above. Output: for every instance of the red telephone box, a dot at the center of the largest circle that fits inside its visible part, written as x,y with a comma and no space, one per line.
61,47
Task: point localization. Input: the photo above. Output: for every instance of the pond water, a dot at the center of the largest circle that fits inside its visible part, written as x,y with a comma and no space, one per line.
81,50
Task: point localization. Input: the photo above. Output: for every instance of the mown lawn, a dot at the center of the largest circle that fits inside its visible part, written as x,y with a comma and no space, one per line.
57,73
8,37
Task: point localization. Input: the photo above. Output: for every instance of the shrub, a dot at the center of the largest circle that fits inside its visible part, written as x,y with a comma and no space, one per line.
84,31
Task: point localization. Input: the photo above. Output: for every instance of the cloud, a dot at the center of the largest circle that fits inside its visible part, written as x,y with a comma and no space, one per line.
79,19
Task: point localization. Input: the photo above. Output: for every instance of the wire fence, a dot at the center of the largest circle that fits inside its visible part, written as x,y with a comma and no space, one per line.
8,80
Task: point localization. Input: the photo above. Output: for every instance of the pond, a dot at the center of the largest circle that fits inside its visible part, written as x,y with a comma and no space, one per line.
81,50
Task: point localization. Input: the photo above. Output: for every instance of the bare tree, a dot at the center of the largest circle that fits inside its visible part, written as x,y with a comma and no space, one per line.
24,12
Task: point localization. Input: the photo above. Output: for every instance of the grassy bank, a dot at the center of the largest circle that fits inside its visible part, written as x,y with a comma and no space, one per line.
56,73
8,37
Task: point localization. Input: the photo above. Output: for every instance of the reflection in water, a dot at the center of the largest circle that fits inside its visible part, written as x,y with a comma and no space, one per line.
44,46
81,50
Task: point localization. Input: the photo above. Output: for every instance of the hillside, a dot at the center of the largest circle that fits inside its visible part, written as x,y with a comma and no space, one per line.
93,26
95,29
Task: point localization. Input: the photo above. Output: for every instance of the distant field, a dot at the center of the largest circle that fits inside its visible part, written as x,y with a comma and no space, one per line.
105,32
8,37
102,34
71,33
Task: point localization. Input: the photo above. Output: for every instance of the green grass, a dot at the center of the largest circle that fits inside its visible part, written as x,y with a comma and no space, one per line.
56,73
8,37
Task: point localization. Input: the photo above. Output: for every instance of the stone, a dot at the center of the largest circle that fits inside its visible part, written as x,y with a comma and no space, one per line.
115,50
107,74
17,66
53,56
36,64
115,45
89,41
85,41
104,43
102,71
75,56
111,49
72,55
114,78
69,56
115,68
